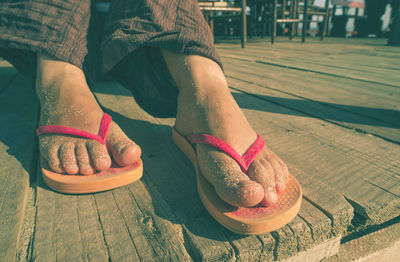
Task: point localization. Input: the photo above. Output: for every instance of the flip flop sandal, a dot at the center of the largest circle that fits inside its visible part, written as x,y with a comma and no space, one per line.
115,176
241,220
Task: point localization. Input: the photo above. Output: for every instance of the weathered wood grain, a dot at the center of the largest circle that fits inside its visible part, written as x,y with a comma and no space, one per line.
328,202
18,107
357,105
117,225
318,253
369,243
342,60
330,141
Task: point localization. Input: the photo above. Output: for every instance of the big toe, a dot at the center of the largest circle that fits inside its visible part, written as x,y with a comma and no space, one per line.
245,193
264,173
126,153
124,150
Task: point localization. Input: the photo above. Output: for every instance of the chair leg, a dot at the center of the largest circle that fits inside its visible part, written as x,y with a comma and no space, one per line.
274,18
244,25
212,22
305,16
293,14
326,20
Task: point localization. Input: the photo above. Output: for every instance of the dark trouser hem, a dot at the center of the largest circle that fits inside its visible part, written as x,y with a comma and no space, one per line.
134,33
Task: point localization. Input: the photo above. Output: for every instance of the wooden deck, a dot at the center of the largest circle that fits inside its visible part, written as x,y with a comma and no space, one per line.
330,110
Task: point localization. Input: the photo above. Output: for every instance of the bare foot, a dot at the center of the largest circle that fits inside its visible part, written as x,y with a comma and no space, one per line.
65,99
205,105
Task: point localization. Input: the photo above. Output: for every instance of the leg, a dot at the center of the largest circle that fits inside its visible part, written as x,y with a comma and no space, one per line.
205,105
134,33
55,33
180,27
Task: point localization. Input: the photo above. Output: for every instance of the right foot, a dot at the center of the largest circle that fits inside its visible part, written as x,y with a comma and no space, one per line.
65,99
206,106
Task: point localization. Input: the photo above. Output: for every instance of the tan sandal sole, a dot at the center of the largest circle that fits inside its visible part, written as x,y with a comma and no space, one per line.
78,184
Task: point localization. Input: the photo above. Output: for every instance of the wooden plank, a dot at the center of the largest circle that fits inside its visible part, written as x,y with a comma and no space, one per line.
341,87
371,244
144,223
206,239
388,254
317,253
376,105
341,117
342,66
269,244
115,225
340,58
310,229
57,229
328,202
323,218
338,88
363,168
18,107
24,249
365,124
248,248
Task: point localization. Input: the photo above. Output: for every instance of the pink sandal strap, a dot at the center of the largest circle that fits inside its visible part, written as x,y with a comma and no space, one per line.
100,137
244,161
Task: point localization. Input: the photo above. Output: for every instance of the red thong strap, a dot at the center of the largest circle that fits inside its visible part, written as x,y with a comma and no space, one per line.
244,161
100,137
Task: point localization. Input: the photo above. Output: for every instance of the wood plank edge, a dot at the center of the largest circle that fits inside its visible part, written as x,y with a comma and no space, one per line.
167,210
26,214
370,243
373,216
317,253
303,69
340,221
25,243
333,122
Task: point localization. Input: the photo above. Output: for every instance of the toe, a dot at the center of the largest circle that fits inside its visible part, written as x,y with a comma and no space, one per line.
98,155
263,173
83,160
230,183
68,159
124,150
244,193
50,154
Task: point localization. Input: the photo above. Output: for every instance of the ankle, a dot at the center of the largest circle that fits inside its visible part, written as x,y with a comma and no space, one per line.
205,95
202,79
51,71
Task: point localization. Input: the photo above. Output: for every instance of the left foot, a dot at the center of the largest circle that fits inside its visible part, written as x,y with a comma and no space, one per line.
205,105
65,99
